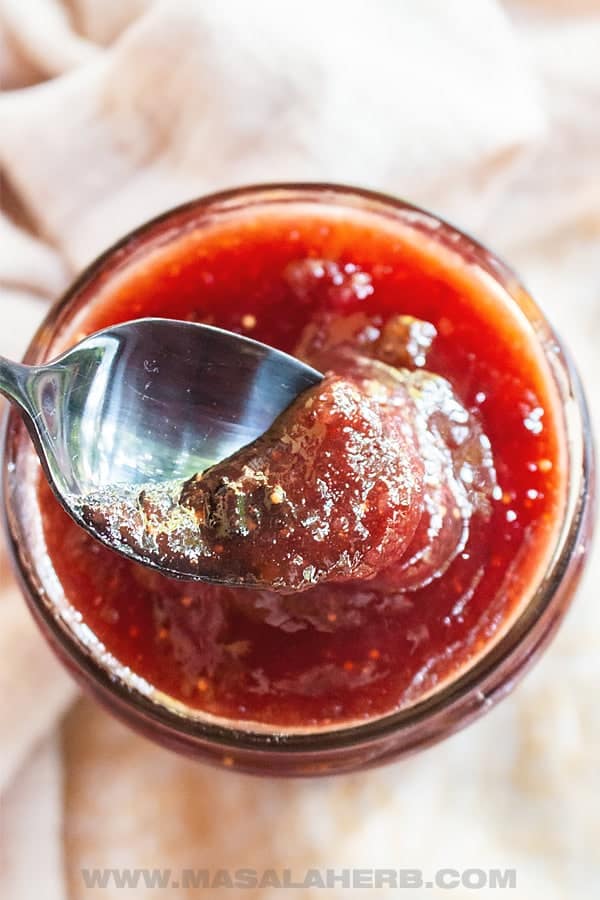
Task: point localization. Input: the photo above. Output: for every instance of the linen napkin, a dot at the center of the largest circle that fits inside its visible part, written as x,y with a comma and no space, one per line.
198,96
113,112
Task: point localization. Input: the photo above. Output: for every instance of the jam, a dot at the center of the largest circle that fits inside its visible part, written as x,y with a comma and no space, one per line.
392,521
331,492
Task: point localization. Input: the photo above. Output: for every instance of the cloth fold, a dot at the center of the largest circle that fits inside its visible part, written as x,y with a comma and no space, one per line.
188,101
112,112
31,857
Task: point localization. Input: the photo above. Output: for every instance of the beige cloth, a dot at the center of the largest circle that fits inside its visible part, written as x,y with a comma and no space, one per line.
490,116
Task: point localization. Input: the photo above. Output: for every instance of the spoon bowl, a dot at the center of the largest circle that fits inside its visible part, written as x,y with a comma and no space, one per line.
147,402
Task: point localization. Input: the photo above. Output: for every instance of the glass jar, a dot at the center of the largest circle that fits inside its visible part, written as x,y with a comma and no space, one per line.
321,751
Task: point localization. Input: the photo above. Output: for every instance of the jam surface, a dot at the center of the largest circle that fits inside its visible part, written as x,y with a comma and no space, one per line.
411,558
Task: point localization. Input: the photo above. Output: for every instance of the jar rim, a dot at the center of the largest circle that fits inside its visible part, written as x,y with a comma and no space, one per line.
469,691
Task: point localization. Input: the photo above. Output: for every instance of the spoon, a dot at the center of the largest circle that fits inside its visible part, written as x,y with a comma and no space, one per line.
148,402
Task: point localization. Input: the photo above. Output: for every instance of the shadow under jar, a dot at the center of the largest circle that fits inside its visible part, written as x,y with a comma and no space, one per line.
348,675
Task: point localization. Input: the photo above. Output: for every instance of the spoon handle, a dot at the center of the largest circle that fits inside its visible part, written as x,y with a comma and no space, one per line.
13,383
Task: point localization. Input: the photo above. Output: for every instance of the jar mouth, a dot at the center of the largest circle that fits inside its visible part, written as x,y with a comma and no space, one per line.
468,691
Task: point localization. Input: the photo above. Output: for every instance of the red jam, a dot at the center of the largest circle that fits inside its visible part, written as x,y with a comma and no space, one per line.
466,477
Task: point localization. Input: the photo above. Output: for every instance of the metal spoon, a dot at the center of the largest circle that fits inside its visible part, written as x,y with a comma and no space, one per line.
149,401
